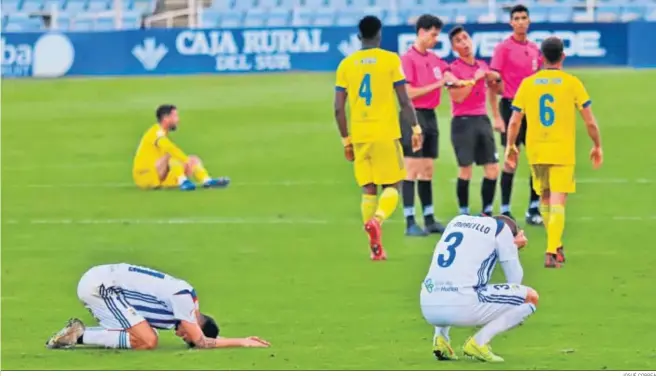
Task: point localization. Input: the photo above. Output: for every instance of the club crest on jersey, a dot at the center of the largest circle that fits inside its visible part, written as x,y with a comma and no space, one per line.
438,73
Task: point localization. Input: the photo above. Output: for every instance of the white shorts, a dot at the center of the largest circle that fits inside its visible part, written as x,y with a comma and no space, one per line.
481,307
106,304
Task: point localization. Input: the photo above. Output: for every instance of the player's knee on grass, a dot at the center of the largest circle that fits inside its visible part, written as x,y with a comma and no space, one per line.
491,171
532,297
143,337
193,162
465,173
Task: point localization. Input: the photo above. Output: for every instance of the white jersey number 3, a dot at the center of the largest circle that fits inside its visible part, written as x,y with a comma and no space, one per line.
446,257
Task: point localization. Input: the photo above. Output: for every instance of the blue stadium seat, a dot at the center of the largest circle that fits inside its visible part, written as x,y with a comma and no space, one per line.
231,19
278,17
104,24
339,4
651,14
98,5
75,6
385,4
560,13
255,17
607,12
63,22
393,18
539,13
9,6
144,6
362,3
49,5
23,22
302,17
314,3
470,14
222,4
324,17
244,5
82,25
30,6
633,12
269,4
349,17
125,5
289,4
131,20
210,18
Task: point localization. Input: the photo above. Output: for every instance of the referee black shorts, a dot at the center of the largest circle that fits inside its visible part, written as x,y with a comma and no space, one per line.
505,108
428,122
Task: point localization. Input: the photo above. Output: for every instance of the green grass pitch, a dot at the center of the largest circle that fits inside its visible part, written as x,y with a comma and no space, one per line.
281,253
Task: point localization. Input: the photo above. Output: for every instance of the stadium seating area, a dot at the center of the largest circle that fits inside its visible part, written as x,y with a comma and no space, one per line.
84,14
79,15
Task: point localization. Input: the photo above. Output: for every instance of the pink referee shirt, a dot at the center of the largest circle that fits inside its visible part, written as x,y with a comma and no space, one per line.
515,61
474,104
423,69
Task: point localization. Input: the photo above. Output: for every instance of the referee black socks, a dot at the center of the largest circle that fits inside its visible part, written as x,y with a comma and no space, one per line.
506,190
408,192
425,191
462,190
487,194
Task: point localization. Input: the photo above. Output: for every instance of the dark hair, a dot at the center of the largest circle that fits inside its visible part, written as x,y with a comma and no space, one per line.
210,328
512,225
519,8
455,31
164,110
369,27
428,21
552,49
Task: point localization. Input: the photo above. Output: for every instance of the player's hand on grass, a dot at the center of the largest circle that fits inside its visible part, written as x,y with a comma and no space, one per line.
597,157
499,124
511,156
254,342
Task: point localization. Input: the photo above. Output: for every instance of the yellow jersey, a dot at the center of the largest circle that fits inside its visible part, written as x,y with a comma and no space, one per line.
549,99
369,76
153,145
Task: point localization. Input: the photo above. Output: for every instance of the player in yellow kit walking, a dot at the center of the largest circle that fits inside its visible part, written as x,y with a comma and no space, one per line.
369,78
548,98
159,163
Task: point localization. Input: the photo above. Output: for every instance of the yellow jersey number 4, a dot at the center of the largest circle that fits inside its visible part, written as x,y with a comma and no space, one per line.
365,89
547,113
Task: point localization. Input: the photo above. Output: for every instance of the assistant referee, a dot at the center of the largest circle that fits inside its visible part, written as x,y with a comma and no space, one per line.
425,75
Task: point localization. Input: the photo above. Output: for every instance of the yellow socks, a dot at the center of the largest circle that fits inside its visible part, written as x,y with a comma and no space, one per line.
387,203
544,211
555,228
200,173
368,207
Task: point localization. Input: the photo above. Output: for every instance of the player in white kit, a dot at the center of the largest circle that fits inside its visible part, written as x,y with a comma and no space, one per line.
130,301
457,289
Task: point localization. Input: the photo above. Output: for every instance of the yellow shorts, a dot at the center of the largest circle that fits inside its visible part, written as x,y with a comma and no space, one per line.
555,178
149,178
379,162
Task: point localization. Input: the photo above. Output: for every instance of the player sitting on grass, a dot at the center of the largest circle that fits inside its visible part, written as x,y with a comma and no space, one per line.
129,301
159,163
456,290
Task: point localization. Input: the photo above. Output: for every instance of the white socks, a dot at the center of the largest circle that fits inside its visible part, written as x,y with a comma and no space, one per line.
442,331
113,339
505,322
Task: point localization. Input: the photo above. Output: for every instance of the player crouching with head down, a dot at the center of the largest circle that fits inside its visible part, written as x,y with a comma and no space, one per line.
457,292
130,302
159,163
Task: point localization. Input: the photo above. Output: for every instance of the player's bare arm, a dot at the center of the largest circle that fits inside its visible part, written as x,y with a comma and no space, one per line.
342,125
409,116
596,154
513,130
459,94
191,332
493,100
415,92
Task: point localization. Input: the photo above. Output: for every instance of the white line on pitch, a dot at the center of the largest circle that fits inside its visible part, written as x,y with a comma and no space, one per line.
246,221
290,183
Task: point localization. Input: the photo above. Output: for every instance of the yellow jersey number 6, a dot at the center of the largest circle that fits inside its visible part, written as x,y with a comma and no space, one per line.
365,89
547,114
